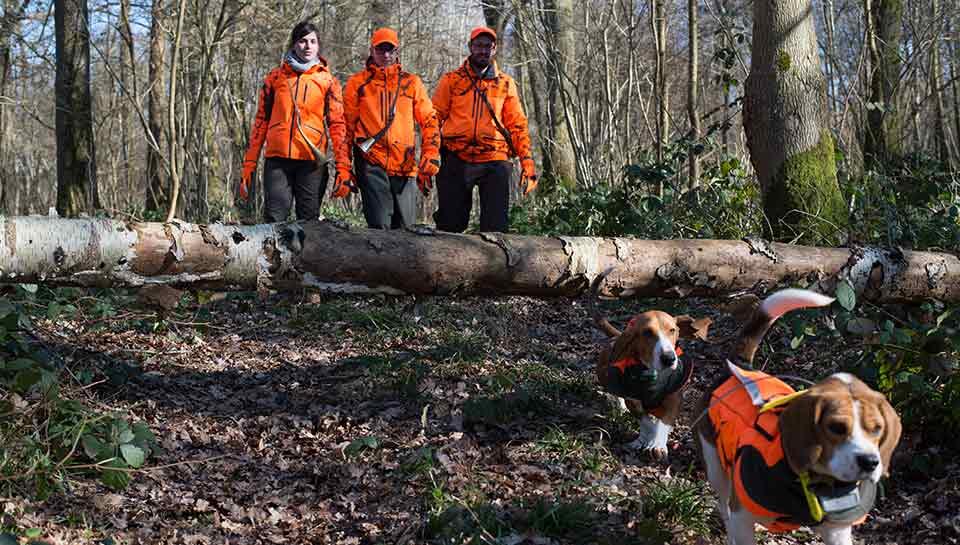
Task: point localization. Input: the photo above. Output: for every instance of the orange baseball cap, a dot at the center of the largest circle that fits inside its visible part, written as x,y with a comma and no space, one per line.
482,30
384,35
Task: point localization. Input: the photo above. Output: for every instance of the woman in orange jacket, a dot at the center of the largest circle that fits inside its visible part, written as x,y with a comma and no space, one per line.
290,119
482,126
382,105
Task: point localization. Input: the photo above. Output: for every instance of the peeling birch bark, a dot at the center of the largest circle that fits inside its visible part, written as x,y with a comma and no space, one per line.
334,258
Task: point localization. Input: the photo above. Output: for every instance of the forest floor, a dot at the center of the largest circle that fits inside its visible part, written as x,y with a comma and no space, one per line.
372,420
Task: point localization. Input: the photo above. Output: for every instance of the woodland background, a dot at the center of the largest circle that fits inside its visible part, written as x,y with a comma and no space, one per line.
173,85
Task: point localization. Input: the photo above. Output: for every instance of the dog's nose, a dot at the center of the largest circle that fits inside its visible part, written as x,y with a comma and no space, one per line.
868,462
668,358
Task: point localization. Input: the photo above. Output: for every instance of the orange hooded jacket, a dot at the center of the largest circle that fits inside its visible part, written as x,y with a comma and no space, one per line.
465,123
318,97
367,100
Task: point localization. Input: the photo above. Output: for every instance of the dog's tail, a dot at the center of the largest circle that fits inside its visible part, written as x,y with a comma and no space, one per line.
600,321
772,308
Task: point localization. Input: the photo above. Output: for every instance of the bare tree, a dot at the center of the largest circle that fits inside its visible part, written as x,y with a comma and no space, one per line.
156,193
559,161
693,91
882,135
76,165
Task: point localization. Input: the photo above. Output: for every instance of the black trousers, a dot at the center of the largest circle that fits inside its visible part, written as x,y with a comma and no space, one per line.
288,181
389,202
455,183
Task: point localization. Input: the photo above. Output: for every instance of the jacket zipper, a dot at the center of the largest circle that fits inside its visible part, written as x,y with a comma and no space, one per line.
293,117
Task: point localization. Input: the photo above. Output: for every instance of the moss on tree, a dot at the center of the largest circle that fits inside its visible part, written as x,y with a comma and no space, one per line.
804,198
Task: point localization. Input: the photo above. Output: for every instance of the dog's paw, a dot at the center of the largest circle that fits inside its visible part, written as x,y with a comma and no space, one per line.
653,438
617,405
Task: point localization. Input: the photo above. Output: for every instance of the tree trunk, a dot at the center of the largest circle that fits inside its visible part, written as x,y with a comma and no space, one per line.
939,122
693,91
786,123
658,22
76,167
493,15
156,202
335,258
174,145
378,13
882,139
559,163
128,81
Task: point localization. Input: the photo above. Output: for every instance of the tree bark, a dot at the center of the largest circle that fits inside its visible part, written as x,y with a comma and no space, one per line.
76,167
559,163
786,122
332,257
882,142
658,23
693,90
939,122
156,202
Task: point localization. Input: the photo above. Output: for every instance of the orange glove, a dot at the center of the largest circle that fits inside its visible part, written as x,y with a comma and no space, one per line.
244,189
528,179
344,184
245,175
428,169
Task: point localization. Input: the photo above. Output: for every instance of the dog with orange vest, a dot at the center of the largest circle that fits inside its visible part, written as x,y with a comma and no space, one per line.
642,371
785,459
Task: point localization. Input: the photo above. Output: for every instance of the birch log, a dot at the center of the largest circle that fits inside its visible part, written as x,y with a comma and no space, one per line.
336,258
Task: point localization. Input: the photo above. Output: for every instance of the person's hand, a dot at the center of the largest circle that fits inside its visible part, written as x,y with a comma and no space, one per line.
244,189
528,178
246,174
344,184
428,169
425,183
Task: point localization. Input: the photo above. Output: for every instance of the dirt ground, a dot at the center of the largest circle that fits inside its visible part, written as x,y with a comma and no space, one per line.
371,420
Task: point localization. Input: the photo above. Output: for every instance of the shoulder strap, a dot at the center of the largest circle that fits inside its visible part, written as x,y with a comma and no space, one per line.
503,131
369,142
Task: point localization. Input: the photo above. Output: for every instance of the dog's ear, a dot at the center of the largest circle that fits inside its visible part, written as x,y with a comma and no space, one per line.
891,432
623,346
798,430
693,329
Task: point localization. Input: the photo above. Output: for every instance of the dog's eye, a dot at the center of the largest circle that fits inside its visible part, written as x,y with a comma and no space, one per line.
837,428
874,430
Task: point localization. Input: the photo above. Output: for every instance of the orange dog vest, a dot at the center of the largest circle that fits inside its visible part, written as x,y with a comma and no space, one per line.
749,447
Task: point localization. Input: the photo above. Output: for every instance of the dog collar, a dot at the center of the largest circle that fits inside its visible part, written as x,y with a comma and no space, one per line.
838,502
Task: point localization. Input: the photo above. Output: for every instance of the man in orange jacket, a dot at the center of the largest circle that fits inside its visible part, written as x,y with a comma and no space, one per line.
482,126
381,105
298,100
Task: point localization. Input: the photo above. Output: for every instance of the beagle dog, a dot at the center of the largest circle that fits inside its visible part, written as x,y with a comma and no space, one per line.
641,371
786,459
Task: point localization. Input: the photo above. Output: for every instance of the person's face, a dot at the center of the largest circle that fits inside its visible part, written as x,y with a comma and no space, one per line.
308,47
482,49
384,54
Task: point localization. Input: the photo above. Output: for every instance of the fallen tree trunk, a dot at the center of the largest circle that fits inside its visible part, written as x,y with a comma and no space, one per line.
335,258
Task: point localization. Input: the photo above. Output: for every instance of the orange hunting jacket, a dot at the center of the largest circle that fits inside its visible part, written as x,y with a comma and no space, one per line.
465,123
367,99
317,96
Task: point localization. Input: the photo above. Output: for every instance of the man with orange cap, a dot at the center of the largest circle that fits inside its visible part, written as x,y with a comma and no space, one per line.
482,126
381,103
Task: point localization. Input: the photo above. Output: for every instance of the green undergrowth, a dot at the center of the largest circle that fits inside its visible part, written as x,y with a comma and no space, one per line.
49,434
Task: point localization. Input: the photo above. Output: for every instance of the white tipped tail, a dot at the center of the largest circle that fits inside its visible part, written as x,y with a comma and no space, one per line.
786,300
